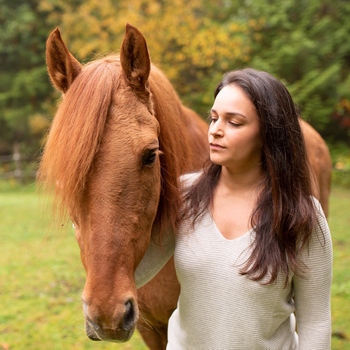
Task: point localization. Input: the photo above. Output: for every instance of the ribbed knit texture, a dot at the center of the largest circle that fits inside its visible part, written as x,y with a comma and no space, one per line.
218,309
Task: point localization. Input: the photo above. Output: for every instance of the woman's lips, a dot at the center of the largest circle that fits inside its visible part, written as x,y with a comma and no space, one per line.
215,146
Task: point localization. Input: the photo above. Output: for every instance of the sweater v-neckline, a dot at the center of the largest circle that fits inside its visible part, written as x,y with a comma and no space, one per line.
221,236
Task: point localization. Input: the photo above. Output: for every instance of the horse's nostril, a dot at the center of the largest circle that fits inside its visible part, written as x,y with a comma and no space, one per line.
129,316
91,329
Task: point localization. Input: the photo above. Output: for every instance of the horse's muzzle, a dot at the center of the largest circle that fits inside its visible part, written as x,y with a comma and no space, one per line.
121,333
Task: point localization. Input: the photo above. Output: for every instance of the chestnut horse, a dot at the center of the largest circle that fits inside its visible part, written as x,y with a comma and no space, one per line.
117,146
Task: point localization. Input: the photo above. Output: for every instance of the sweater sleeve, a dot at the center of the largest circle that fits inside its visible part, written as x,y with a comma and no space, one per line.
160,249
312,292
158,253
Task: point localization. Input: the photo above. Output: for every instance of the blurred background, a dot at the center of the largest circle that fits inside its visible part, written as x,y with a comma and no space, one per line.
304,43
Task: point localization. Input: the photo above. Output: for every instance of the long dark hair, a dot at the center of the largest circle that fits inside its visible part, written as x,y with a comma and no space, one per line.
284,215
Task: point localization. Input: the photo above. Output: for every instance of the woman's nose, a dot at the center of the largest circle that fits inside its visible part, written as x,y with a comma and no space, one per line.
215,129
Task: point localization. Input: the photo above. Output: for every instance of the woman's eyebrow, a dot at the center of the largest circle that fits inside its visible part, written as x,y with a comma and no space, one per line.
230,114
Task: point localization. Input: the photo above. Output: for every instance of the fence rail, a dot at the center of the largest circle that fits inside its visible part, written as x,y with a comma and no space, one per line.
15,166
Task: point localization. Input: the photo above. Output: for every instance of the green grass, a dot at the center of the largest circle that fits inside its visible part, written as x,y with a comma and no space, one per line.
41,278
339,222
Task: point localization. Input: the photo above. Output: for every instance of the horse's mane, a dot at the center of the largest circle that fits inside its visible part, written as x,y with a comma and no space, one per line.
74,138
174,142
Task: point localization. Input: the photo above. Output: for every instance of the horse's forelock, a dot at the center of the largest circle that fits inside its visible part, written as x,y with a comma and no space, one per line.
76,132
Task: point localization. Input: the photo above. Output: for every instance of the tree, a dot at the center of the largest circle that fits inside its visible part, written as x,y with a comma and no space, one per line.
24,86
307,45
193,42
303,43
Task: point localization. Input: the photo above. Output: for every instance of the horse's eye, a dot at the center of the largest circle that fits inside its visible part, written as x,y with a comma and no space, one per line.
149,156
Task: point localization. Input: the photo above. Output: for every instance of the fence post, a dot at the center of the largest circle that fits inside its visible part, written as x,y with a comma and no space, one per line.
17,160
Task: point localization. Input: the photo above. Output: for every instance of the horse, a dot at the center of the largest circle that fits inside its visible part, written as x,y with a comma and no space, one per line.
320,163
116,148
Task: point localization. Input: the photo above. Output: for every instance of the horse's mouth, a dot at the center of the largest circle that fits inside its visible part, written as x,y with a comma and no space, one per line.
110,335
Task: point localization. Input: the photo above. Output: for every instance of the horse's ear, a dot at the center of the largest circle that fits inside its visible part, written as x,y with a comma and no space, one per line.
61,64
134,57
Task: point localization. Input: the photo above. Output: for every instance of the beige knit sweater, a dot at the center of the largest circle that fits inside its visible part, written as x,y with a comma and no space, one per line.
219,309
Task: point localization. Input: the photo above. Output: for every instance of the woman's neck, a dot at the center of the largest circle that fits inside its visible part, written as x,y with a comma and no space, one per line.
241,181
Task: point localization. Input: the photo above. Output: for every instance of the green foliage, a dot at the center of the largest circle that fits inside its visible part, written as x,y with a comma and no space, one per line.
341,162
24,86
194,42
304,43
341,178
307,45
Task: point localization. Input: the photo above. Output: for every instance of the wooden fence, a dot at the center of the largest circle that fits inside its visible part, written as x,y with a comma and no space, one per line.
16,166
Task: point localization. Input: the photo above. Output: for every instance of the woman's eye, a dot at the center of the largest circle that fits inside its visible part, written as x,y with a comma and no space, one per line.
234,124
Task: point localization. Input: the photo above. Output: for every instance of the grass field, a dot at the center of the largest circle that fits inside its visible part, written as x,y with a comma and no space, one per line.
41,278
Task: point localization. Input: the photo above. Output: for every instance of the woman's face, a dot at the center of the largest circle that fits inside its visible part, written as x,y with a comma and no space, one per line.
234,130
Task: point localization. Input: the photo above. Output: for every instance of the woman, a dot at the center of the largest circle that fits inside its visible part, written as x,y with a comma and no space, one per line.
253,252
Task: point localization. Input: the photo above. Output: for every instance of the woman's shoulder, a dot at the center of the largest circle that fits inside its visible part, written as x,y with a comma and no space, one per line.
189,179
322,227
318,207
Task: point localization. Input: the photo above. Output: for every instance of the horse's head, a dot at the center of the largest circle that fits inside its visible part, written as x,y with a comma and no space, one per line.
102,155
